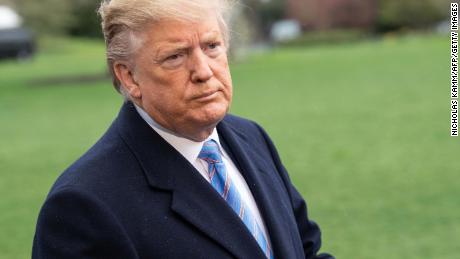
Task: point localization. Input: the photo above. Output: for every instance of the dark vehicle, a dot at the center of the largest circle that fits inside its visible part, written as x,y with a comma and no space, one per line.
16,43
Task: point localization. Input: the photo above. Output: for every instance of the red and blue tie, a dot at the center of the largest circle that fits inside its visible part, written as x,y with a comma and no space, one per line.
222,183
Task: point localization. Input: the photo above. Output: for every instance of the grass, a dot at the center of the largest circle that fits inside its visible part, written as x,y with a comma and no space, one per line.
363,129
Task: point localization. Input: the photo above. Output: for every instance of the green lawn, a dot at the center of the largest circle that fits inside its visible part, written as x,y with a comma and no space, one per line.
363,129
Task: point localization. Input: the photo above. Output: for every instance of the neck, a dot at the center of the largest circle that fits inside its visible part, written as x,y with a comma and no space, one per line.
189,133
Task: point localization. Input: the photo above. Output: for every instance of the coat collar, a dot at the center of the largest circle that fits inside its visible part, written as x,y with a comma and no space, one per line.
194,199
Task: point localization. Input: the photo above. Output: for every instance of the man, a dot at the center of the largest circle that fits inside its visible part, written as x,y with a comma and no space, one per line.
174,176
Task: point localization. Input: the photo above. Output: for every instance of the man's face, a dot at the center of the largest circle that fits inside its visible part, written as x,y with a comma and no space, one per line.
182,76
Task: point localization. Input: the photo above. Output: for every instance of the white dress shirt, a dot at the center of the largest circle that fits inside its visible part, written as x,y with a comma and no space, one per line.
191,149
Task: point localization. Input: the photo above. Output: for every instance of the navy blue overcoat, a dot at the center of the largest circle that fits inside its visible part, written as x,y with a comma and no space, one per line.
132,195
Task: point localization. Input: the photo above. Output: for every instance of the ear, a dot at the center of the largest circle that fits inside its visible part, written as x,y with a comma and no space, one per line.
125,75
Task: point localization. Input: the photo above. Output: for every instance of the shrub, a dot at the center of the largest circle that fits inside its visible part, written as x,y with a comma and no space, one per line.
417,14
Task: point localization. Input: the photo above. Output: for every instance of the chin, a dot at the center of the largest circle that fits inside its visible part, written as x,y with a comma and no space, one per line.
212,115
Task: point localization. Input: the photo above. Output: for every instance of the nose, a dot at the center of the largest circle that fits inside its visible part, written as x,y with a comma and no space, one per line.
200,67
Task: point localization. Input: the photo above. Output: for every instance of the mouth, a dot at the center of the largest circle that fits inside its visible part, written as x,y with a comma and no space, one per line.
206,96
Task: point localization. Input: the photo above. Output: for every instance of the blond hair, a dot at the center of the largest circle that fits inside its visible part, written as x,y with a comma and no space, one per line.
124,20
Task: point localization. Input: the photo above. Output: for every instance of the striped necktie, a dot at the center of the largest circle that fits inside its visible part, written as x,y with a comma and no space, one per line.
222,183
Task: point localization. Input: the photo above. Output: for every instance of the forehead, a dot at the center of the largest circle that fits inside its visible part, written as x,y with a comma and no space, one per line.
176,31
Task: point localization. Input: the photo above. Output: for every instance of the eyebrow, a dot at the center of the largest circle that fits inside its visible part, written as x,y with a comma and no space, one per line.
171,47
205,36
177,44
209,36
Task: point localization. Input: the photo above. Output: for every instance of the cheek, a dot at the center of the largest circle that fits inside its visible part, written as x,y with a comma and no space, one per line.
166,86
177,78
223,72
226,80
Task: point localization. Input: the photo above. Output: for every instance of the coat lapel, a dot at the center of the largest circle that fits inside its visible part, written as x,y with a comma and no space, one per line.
194,199
268,192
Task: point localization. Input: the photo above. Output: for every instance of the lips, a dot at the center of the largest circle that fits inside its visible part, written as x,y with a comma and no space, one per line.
206,95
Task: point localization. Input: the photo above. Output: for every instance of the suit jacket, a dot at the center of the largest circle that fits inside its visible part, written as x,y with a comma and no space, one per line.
132,195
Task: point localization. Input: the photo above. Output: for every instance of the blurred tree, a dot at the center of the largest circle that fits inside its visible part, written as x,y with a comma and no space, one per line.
87,22
263,13
6,2
74,17
333,14
46,16
443,7
270,12
397,14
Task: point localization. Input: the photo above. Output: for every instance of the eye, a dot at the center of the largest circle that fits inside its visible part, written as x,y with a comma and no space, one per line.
173,57
213,49
173,60
213,45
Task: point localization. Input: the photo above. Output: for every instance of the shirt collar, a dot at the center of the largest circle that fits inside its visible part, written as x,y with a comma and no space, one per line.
188,148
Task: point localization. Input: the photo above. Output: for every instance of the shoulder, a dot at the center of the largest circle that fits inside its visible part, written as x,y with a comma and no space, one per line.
103,167
249,128
241,124
237,120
